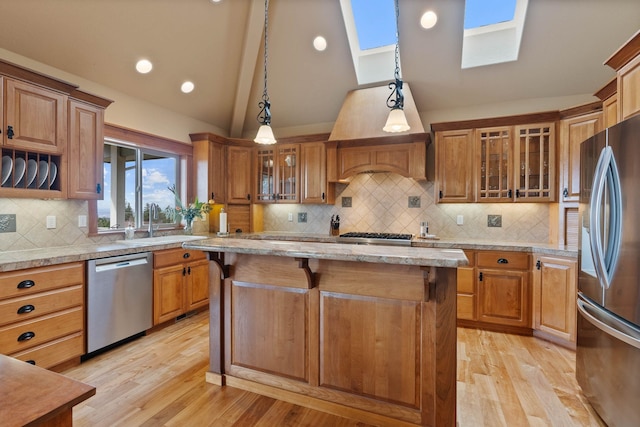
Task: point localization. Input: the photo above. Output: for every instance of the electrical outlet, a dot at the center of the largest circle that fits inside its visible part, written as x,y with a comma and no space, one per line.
82,220
290,217
460,220
51,221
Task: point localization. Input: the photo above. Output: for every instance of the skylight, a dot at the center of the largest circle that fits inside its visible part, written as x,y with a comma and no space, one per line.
478,13
371,30
492,31
375,23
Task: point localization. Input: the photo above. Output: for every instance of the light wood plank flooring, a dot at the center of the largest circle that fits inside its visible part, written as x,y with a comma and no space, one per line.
158,380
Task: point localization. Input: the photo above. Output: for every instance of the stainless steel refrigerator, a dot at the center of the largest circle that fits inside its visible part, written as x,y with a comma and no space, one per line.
608,343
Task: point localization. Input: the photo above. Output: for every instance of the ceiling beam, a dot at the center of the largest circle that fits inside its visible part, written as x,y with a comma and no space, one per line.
248,62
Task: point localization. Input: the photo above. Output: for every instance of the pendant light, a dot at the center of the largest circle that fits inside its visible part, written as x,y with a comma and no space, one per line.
397,121
265,134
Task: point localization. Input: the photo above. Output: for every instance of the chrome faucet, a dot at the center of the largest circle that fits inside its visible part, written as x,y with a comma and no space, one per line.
153,214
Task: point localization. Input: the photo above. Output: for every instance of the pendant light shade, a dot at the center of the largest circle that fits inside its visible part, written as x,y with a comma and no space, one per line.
265,133
397,121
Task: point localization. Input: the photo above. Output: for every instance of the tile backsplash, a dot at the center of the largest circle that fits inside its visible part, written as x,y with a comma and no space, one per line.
386,202
381,202
31,225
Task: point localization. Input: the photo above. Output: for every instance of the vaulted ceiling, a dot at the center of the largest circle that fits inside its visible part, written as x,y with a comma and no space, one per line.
218,46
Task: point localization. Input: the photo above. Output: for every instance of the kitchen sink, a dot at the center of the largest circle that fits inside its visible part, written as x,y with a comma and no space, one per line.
159,240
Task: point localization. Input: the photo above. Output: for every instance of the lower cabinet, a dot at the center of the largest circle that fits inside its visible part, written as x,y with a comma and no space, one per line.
495,294
554,299
466,289
42,314
180,283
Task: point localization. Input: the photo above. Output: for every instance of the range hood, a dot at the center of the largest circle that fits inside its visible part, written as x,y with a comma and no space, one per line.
358,144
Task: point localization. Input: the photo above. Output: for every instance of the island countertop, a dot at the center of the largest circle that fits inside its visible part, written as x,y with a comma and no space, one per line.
409,255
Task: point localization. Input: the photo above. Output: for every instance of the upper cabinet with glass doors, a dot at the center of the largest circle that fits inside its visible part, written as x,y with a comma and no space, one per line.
278,174
516,163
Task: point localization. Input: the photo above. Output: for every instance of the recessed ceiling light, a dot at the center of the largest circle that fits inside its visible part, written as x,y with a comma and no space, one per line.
320,43
428,19
187,86
215,1
144,66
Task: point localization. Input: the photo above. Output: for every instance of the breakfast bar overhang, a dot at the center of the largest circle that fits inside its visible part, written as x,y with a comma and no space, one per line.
361,331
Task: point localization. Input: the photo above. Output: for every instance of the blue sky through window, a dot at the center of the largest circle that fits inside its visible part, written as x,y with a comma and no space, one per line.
375,22
478,13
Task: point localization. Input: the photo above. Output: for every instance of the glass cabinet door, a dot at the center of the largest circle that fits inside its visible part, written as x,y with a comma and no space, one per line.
287,174
535,162
495,164
265,188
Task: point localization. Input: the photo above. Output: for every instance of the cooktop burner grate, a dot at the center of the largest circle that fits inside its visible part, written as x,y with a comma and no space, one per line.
376,238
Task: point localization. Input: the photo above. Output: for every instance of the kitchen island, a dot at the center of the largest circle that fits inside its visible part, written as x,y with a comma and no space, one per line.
366,332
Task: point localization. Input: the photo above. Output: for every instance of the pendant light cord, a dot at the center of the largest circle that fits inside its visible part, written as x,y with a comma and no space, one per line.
395,101
264,116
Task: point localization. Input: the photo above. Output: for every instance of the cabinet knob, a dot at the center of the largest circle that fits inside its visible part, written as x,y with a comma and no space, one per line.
186,255
26,336
510,194
517,193
31,362
26,284
538,265
98,188
248,196
565,192
26,309
480,276
184,271
440,194
10,132
322,196
189,270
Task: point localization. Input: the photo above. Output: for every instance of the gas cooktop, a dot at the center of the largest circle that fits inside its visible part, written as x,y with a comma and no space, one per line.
376,238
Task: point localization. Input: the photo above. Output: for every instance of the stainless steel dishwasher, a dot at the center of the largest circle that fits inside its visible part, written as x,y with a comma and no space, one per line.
119,298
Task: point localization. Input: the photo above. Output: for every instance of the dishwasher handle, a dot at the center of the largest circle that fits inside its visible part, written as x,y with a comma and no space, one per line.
123,263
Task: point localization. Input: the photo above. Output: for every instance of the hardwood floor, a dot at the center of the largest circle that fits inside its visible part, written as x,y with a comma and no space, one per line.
158,380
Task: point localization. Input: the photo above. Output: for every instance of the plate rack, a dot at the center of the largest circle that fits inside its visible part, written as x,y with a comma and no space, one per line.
29,171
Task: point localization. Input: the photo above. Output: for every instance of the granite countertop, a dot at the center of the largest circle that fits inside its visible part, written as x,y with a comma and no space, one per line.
406,255
16,260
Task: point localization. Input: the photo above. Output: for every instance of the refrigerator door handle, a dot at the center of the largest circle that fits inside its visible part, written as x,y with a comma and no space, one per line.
609,324
605,258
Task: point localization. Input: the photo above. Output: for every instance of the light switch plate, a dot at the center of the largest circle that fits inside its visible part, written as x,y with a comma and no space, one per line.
82,220
460,220
51,221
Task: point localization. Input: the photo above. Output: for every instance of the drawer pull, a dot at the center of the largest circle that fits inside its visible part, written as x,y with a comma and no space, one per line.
186,255
503,261
26,336
26,309
26,284
31,361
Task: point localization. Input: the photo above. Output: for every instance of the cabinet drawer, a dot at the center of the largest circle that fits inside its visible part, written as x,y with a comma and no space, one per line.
42,329
176,256
34,305
504,260
26,282
54,352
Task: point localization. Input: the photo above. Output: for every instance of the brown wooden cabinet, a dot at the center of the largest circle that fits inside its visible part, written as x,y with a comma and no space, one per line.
278,174
573,132
466,289
516,164
626,62
454,166
86,142
503,289
180,283
35,118
313,174
554,298
209,167
239,161
42,314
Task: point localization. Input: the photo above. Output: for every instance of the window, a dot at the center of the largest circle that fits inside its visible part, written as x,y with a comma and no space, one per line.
133,179
492,31
371,30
